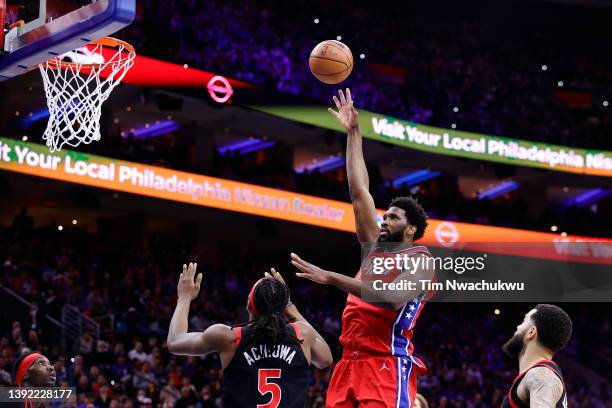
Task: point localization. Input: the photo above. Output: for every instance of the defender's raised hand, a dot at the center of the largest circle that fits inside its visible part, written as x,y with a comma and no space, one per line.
275,275
187,287
347,115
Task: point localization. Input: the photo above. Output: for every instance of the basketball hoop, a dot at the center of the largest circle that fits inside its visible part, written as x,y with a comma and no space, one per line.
76,90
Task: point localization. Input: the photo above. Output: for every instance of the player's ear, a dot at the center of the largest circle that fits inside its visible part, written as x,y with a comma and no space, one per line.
532,332
410,230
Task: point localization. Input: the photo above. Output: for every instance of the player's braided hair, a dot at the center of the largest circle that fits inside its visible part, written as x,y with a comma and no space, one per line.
270,298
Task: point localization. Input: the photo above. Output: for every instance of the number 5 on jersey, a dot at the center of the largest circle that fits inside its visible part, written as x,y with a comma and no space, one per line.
266,387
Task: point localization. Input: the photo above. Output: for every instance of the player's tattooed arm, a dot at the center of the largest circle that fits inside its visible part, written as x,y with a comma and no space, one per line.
357,173
544,388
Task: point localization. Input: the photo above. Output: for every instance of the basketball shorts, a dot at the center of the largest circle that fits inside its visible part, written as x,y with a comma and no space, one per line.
373,382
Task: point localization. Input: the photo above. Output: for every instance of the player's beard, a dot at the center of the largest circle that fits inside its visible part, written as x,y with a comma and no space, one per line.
514,346
392,237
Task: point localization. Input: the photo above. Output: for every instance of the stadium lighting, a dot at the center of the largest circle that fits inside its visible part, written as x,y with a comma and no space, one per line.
362,56
497,312
74,222
560,84
554,228
454,126
587,198
605,103
60,227
564,234
415,177
339,38
245,146
316,21
331,163
129,109
24,139
148,131
455,109
185,66
263,145
35,116
498,190
544,67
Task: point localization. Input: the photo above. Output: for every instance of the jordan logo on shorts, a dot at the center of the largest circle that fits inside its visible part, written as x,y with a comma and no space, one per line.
383,366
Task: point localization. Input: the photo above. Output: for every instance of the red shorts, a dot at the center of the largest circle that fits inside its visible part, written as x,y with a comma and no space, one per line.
372,381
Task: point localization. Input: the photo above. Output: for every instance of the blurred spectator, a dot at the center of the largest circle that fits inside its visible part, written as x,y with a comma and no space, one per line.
86,343
138,353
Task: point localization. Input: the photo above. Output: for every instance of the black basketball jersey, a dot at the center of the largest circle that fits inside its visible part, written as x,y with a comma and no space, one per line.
512,399
264,376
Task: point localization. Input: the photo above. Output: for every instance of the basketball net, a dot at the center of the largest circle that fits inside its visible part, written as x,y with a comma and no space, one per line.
76,90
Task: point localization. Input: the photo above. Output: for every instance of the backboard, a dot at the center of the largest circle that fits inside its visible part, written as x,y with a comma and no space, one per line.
37,30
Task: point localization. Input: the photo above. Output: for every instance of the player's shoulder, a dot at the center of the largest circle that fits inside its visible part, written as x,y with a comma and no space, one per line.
222,332
541,376
418,250
541,371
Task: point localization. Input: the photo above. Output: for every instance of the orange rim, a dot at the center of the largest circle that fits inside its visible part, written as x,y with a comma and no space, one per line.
110,42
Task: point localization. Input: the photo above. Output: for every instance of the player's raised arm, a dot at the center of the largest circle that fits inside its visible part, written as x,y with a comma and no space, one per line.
357,173
179,341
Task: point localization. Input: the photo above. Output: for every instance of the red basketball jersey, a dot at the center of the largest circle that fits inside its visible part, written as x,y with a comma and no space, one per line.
372,330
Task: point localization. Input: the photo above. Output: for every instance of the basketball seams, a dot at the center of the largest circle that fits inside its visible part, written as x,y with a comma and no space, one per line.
346,67
331,44
329,59
349,56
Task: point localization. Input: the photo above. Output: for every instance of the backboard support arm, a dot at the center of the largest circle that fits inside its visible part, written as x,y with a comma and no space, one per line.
41,20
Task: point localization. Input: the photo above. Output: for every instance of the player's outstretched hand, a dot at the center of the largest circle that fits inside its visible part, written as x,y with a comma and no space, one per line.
347,114
275,275
310,271
187,287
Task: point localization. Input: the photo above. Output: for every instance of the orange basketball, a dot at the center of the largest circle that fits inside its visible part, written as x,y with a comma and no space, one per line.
331,62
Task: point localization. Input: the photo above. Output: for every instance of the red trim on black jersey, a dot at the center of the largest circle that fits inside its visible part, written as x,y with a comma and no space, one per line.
551,365
297,331
238,335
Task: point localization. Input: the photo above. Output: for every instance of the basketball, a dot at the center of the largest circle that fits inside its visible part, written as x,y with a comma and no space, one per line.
331,62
